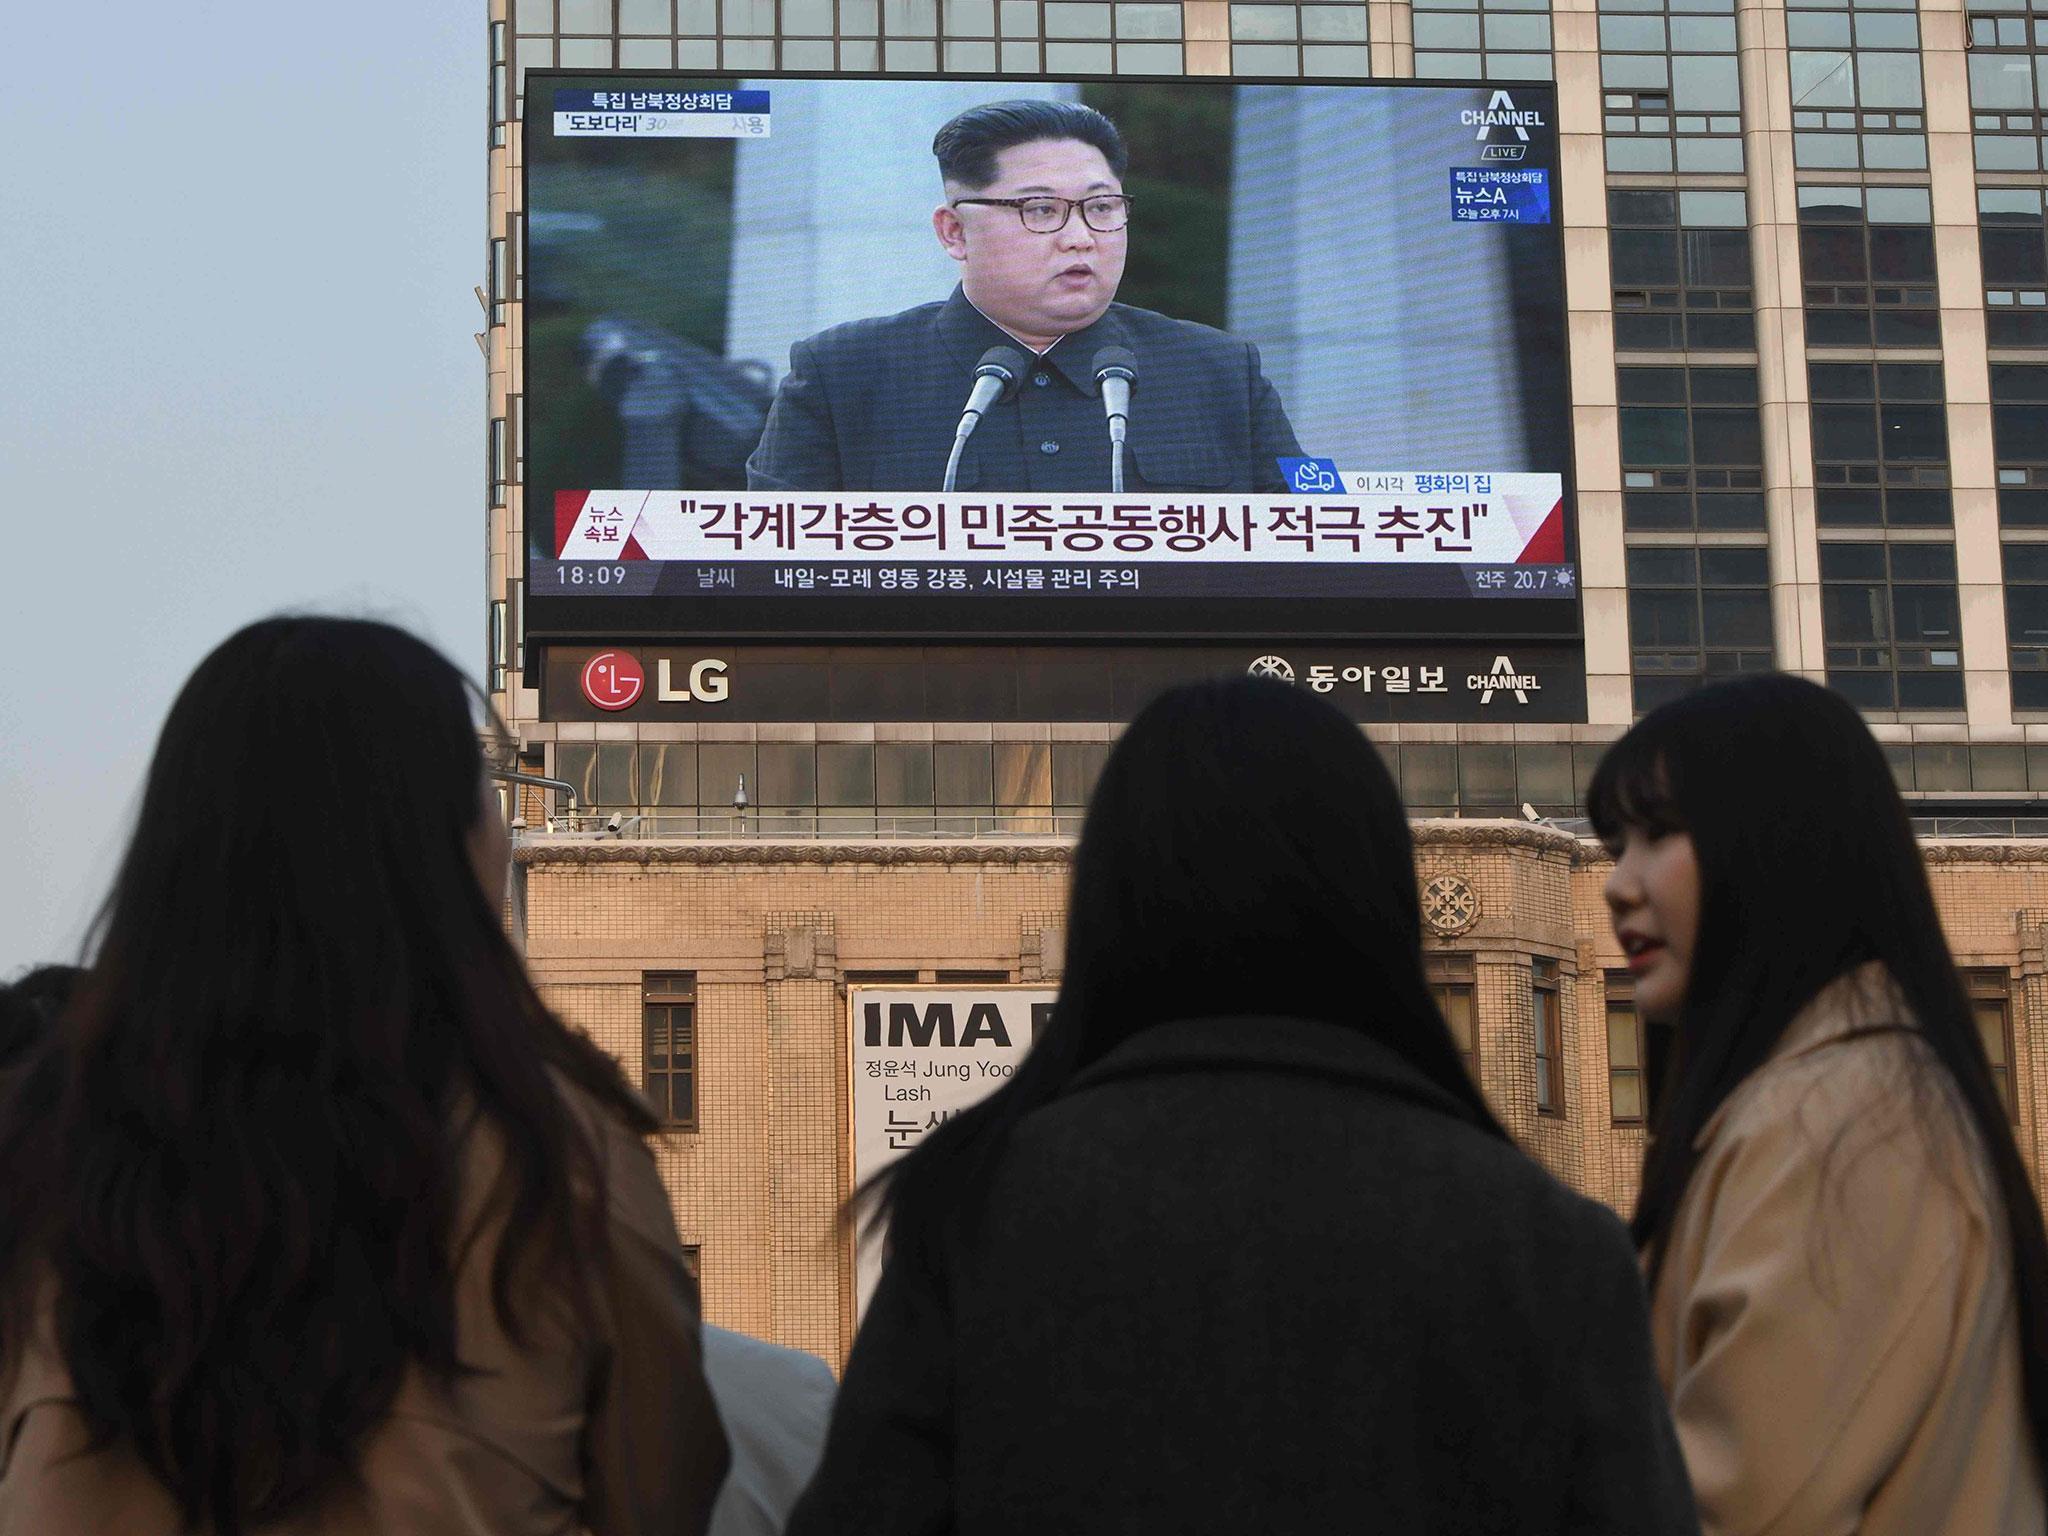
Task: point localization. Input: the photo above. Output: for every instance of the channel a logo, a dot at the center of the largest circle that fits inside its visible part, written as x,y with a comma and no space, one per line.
1503,116
613,680
1503,679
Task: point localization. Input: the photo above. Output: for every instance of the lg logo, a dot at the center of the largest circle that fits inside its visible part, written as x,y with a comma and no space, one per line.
614,680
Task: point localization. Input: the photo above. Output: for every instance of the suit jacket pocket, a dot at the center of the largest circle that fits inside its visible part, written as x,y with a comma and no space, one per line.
1180,466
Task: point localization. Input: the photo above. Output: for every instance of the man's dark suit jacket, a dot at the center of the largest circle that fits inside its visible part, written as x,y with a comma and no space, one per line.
871,406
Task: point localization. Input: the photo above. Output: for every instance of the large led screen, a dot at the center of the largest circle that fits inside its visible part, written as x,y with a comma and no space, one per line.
979,358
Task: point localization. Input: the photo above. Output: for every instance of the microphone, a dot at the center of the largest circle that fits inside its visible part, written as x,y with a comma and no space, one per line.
995,380
1116,372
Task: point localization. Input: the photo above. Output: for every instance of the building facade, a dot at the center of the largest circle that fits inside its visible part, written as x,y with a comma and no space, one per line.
1806,252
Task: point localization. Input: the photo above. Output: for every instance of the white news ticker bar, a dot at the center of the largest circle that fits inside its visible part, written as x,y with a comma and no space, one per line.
1455,527
661,125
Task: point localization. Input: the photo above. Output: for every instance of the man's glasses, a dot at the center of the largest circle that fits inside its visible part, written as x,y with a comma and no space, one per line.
1105,214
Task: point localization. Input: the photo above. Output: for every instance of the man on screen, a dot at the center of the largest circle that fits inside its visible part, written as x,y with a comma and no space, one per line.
1036,216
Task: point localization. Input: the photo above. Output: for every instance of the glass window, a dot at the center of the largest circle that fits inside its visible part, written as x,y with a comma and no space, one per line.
1991,1004
789,774
1451,984
590,16
1681,278
649,18
720,767
668,1021
1023,775
961,774
1137,21
846,773
669,773
1546,1019
903,773
1890,622
1627,1098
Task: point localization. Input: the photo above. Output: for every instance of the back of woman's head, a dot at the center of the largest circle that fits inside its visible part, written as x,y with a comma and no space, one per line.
233,1164
1808,868
1245,853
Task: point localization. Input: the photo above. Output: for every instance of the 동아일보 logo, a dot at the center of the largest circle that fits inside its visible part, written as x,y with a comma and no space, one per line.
1501,116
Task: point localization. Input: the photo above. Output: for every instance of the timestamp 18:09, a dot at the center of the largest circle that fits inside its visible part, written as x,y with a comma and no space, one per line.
589,574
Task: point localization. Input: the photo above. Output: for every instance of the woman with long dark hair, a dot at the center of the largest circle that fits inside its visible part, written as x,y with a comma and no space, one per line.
1240,1246
1848,1272
314,1218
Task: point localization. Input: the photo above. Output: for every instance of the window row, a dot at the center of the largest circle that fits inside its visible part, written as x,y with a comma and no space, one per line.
2012,231
2019,442
1010,55
593,20
845,784
1696,614
1681,267
1671,90
2008,85
1691,449
1866,257
1891,623
1482,39
1880,444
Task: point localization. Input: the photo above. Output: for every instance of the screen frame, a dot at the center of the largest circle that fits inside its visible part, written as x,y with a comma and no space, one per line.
1056,620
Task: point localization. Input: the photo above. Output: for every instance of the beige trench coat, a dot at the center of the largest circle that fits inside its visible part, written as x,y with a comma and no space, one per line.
610,1427
1835,1321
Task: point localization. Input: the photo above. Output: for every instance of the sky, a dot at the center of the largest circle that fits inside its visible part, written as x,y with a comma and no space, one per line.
237,248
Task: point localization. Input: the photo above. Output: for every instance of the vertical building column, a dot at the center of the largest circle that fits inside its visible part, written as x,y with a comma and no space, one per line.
1780,337
1589,306
2029,1024
1205,33
1951,161
804,1020
1390,35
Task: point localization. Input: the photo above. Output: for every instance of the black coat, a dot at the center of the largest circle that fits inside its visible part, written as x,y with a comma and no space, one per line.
871,406
1251,1276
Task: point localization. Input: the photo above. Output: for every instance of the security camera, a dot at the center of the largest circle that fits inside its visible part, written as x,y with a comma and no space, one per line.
1529,812
617,821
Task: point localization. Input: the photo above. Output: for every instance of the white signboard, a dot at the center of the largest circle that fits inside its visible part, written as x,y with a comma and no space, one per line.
919,1056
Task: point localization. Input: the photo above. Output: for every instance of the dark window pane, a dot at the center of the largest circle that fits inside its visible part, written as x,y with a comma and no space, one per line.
1739,509
1901,253
1651,386
1633,207
1919,508
1866,690
1925,613
1655,511
719,767
1735,618
1709,332
1852,615
2026,615
1908,328
1832,255
1838,327
1486,774
2016,508
2015,382
2016,256
1654,436
1735,567
1840,506
1852,562
2019,433
1660,568
1841,381
2026,562
1640,331
1915,434
1075,767
1923,562
1909,381
789,774
1662,618
1646,256
1717,258
1931,690
1727,437
1844,432
1724,386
